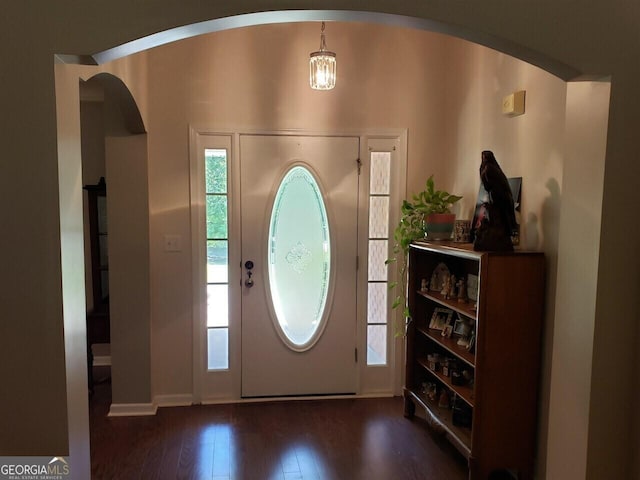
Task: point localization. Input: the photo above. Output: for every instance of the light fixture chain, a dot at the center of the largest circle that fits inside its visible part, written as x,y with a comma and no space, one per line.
323,44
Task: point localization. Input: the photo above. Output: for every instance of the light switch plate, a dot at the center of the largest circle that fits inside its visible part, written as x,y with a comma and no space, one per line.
172,243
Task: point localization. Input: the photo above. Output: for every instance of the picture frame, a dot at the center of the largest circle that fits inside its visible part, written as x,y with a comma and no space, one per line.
472,287
461,327
440,318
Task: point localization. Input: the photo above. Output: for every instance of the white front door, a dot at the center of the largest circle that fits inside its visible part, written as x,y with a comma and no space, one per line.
299,202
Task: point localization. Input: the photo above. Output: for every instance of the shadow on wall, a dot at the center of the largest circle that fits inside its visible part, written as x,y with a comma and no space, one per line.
550,226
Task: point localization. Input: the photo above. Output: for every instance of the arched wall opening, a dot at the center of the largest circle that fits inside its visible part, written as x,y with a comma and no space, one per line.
114,147
460,154
118,153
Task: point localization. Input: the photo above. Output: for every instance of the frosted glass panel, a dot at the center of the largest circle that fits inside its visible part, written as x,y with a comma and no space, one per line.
217,306
376,345
299,256
218,348
217,261
380,169
378,253
378,217
377,303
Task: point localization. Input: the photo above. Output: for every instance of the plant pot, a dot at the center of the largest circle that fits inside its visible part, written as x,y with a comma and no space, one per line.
439,226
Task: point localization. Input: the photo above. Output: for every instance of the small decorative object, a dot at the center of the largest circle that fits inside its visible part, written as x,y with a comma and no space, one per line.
472,341
433,361
432,391
445,286
447,330
495,229
452,287
472,287
462,290
462,231
457,378
445,367
433,285
423,285
440,318
440,273
448,366
443,400
480,212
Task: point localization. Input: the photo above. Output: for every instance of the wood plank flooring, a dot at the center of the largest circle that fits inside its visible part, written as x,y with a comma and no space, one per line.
319,439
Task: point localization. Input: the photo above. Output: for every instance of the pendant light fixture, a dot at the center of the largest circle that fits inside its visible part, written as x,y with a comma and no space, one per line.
322,66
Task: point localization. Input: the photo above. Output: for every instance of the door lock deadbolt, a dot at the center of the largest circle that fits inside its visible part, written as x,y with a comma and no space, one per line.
249,281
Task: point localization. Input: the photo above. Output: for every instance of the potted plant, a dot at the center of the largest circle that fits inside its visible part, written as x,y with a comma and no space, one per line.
425,216
436,205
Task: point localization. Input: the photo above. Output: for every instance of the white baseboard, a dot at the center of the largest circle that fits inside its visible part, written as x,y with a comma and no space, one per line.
132,409
177,400
225,400
186,399
101,354
102,361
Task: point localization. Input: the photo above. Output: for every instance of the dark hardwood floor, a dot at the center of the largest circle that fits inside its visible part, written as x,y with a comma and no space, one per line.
317,439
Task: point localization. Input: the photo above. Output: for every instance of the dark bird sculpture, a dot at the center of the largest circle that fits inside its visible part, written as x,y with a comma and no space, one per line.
496,231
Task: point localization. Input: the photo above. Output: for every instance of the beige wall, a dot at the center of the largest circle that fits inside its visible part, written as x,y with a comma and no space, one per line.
530,146
129,272
458,115
452,113
211,82
33,352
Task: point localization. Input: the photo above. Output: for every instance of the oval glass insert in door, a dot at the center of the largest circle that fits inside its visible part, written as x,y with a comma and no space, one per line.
299,259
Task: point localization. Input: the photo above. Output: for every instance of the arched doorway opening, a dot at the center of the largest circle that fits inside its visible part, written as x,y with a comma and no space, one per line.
557,69
114,157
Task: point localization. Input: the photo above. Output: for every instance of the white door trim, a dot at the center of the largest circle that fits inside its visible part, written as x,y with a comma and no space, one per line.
224,384
368,384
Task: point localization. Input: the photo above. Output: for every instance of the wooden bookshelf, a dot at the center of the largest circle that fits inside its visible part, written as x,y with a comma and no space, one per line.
506,317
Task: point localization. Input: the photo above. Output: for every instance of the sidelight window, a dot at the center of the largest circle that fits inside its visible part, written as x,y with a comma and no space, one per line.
216,208
377,305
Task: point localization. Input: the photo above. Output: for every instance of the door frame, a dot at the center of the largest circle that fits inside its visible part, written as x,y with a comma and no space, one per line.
225,386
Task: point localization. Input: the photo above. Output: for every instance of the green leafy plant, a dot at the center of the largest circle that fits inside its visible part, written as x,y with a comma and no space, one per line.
411,228
431,200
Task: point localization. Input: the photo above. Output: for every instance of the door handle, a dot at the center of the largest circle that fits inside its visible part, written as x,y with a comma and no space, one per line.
249,281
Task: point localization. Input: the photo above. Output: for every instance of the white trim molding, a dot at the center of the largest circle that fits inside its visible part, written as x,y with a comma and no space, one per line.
176,400
132,409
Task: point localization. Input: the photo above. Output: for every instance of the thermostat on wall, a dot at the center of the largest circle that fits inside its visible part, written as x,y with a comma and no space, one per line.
513,104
